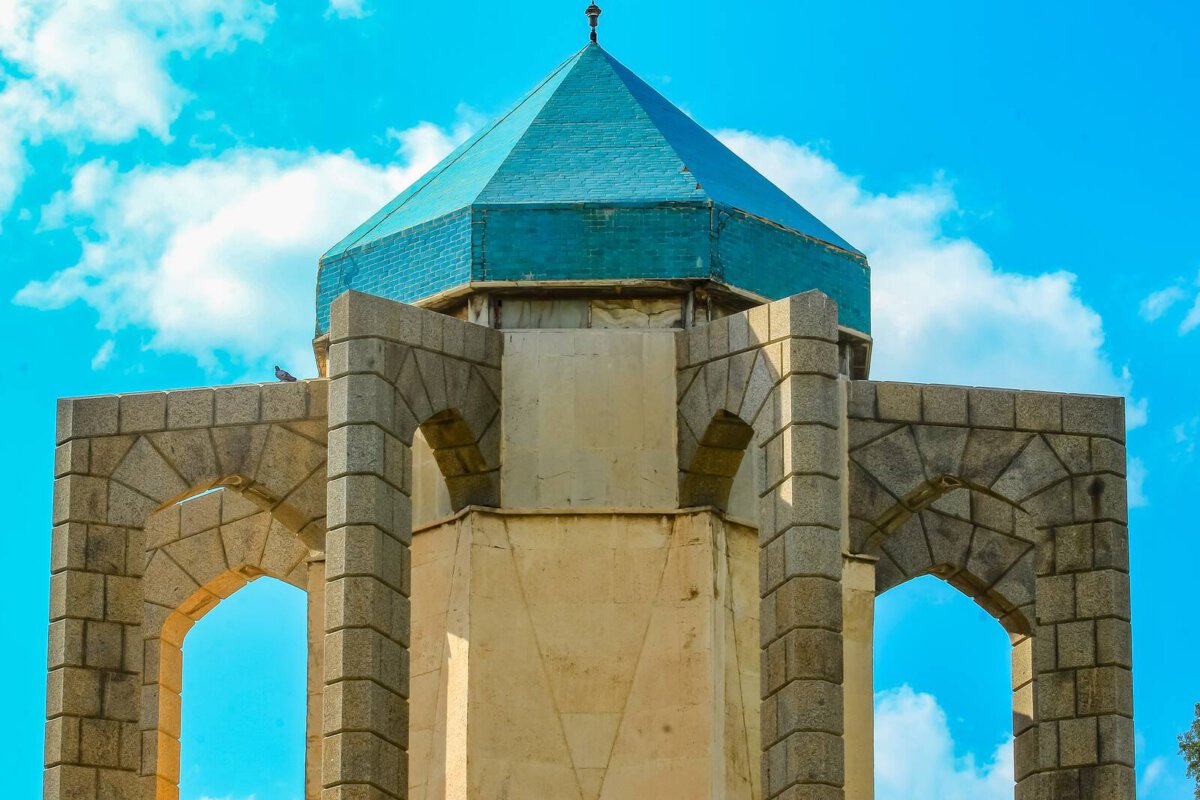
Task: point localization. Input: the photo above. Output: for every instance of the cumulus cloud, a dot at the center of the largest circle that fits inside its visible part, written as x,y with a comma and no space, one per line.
217,258
1156,305
96,70
346,9
915,758
943,311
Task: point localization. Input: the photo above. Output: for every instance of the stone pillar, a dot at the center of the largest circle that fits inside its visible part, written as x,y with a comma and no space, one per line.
316,677
858,647
365,703
93,743
1082,647
800,522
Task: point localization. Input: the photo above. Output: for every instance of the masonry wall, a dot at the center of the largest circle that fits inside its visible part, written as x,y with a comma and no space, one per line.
586,655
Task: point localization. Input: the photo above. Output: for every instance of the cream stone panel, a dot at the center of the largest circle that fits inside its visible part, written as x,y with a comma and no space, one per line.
430,496
584,656
589,419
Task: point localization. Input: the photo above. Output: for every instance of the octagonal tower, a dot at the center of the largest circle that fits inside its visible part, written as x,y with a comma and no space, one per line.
592,500
593,200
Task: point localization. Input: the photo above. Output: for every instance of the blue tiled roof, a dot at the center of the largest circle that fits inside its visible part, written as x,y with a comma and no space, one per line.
591,132
594,176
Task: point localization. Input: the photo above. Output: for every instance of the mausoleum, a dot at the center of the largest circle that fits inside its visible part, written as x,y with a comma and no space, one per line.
592,499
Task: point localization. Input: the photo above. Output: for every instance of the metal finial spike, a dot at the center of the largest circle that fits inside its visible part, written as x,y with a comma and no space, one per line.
593,14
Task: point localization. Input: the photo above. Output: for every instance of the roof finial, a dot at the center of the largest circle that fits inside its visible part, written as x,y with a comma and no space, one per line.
593,14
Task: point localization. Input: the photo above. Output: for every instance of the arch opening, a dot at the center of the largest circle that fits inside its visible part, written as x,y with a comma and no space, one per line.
709,477
199,553
941,696
470,480
242,708
982,545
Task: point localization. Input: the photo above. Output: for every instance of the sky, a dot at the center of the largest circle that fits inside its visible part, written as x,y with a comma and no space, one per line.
1021,175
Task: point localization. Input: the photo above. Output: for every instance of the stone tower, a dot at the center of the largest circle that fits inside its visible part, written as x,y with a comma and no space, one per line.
592,500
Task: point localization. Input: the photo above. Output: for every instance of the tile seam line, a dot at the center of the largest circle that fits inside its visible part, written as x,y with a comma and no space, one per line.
495,124
620,68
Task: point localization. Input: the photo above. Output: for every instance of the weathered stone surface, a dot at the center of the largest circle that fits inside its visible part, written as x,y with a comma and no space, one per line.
898,402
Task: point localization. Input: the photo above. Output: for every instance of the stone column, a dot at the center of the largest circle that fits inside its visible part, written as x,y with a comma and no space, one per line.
1082,648
93,744
316,677
858,643
800,522
365,704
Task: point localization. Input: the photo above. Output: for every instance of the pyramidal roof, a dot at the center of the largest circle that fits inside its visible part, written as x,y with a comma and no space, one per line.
591,132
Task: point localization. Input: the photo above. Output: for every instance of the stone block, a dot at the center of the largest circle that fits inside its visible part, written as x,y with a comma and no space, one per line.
77,594
1077,744
811,315
83,417
1111,546
364,757
1104,690
1038,411
282,402
366,602
809,357
808,603
350,705
1092,415
944,405
717,331
991,408
100,742
812,654
73,691
1072,548
103,645
1100,497
123,599
1115,740
1103,593
1107,782
362,399
1076,644
809,705
898,402
1114,643
364,654
1056,695
894,461
1055,599
811,551
803,500
237,405
860,400
190,408
143,413
805,758
1031,471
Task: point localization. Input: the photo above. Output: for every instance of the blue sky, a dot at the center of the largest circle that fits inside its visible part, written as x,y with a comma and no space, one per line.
1021,175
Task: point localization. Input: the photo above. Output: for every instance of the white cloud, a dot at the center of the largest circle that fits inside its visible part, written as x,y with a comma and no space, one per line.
347,9
1165,778
1136,480
218,258
942,310
1192,320
103,355
95,70
1158,303
915,758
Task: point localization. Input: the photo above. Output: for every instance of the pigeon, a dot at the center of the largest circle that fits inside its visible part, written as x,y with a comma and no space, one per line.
284,375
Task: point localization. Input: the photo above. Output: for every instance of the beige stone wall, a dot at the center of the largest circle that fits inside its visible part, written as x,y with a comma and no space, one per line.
593,656
589,419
